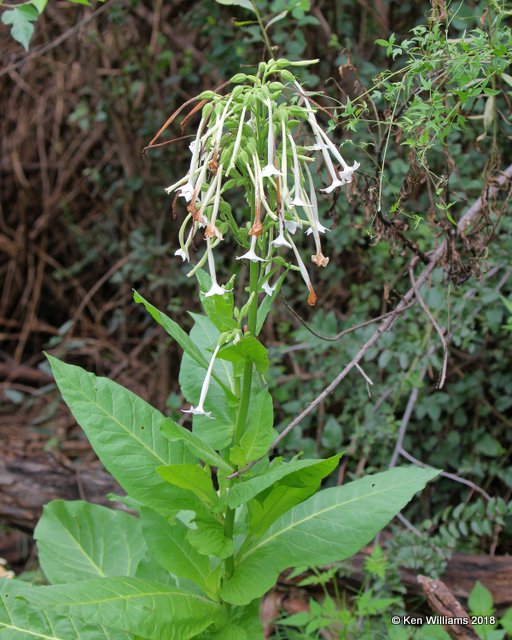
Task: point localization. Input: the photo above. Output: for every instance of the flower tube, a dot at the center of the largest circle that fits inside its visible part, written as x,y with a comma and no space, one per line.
251,254
238,140
199,410
270,169
215,289
305,275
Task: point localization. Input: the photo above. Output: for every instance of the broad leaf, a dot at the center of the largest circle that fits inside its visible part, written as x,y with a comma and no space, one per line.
298,472
195,445
22,28
124,430
191,477
246,4
39,5
78,540
219,309
276,501
330,526
169,546
209,537
258,434
248,348
19,621
147,609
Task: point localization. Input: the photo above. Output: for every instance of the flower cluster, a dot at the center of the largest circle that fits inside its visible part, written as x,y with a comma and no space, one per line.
250,139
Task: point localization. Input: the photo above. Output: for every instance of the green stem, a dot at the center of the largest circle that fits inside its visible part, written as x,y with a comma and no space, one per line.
229,520
264,33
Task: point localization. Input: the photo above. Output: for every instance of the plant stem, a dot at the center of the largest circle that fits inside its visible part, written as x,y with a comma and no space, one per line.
264,33
229,520
247,377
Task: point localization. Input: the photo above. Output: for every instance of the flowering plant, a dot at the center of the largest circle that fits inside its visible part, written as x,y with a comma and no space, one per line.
213,520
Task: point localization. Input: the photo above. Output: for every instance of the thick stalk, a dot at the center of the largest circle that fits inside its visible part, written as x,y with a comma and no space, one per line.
244,400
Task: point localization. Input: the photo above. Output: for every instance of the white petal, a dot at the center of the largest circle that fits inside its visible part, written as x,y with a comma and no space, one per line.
197,411
270,170
291,226
215,290
269,290
281,241
250,255
182,254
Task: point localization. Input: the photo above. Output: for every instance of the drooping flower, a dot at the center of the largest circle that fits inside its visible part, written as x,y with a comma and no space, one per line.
199,409
305,275
270,169
238,140
251,254
215,289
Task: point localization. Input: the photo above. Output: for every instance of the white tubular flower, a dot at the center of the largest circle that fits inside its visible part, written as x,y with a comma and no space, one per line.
291,226
270,169
345,175
297,200
174,186
251,254
285,195
200,218
215,289
263,199
281,241
211,229
199,410
221,122
266,286
238,140
188,189
314,205
305,275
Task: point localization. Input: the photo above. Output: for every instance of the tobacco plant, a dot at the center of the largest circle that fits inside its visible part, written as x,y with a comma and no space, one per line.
211,518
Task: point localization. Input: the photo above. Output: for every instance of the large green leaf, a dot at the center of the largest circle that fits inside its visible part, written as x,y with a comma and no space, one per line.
246,4
124,430
147,609
216,432
330,526
247,348
298,473
20,621
78,540
196,446
219,309
169,546
258,434
191,477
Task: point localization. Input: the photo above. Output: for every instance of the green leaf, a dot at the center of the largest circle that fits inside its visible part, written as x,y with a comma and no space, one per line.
258,434
124,430
22,28
78,540
169,546
209,537
174,330
480,601
193,478
219,309
299,472
246,4
248,348
328,527
19,621
146,609
196,446
39,5
84,2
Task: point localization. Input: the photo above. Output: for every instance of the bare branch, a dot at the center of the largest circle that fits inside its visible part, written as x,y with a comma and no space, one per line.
435,324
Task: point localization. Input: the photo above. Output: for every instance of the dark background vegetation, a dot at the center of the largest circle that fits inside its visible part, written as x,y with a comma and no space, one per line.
84,219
